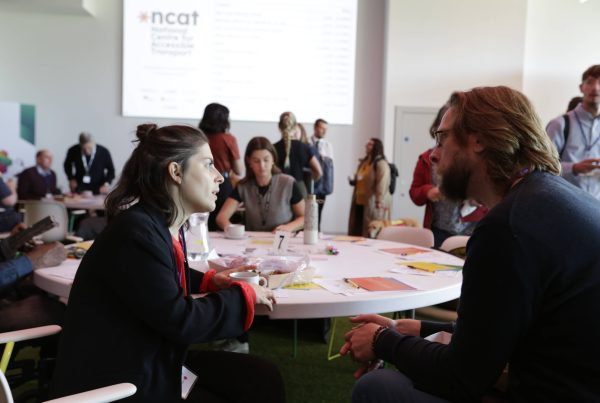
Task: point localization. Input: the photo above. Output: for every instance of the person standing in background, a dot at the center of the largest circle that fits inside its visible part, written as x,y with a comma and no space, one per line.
371,199
38,181
576,136
325,151
443,217
226,154
89,166
9,218
292,155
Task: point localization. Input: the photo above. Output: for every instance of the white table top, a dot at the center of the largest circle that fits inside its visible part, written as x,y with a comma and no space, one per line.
355,259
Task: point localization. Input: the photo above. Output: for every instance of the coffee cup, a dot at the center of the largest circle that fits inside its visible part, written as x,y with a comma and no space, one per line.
235,231
249,277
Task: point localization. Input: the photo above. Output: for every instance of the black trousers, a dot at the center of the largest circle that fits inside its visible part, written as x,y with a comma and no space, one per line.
234,377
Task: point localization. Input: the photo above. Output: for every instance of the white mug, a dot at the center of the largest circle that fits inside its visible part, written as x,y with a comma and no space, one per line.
249,277
235,230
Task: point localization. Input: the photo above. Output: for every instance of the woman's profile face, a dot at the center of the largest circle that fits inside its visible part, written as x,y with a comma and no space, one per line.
200,183
261,163
369,146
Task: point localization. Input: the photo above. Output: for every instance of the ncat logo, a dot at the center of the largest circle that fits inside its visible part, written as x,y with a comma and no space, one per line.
160,18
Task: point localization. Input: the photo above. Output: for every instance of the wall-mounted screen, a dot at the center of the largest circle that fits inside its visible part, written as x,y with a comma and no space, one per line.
258,57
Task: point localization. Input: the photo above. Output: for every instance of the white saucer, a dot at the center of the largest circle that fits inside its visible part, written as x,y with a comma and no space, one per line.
236,237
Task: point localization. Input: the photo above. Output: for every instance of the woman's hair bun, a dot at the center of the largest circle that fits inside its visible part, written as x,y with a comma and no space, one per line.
144,130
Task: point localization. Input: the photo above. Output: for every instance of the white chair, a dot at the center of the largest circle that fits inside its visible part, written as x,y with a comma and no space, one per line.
454,242
450,245
100,395
415,236
35,210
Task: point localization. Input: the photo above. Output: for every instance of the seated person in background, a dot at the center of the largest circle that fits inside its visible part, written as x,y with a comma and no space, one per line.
89,166
442,216
9,218
273,200
530,285
38,181
35,308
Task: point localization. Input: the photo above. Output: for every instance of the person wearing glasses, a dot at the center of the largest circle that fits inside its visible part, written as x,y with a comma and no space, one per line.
132,313
444,217
530,286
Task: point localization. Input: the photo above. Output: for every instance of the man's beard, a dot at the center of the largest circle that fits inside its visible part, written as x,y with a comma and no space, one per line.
453,183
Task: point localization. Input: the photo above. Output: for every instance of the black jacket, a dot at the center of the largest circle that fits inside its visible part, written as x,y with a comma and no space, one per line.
127,319
101,171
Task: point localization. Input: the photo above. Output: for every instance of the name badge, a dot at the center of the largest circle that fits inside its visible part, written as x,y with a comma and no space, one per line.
188,379
87,179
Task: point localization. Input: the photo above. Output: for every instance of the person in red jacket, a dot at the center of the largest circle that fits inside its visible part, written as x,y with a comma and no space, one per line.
444,218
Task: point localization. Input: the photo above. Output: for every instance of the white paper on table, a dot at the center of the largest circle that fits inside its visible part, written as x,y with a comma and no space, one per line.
281,293
407,270
440,337
338,286
66,270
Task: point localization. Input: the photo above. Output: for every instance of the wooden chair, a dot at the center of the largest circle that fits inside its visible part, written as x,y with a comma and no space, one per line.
106,394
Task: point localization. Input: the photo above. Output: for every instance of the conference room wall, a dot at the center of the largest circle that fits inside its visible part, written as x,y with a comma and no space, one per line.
69,66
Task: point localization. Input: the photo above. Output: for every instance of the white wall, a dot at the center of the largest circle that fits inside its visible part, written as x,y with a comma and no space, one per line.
561,43
435,47
69,66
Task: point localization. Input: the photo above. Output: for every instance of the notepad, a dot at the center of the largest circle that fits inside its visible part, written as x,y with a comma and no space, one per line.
349,238
431,267
379,283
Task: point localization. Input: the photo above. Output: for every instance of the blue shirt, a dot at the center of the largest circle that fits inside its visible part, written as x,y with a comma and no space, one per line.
583,143
13,270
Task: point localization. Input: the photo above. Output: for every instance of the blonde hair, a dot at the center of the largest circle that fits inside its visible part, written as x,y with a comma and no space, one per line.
287,124
508,128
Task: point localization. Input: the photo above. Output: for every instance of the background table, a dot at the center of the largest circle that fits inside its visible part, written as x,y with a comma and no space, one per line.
355,259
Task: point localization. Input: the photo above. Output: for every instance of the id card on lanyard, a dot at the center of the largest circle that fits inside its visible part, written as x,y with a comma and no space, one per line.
87,165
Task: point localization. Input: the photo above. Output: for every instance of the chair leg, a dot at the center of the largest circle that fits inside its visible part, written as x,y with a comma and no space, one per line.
8,349
331,337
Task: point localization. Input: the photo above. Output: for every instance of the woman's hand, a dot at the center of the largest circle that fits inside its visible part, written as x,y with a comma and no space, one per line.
359,343
264,296
222,280
284,227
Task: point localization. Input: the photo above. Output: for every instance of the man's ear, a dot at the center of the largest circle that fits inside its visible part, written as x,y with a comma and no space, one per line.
175,172
475,143
581,88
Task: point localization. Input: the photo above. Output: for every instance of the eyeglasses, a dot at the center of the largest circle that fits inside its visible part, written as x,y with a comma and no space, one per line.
440,136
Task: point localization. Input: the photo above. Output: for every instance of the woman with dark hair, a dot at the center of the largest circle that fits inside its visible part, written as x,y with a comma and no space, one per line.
131,316
371,199
215,124
273,200
294,157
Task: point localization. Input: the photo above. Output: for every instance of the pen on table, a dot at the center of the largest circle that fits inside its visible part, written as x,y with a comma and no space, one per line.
352,283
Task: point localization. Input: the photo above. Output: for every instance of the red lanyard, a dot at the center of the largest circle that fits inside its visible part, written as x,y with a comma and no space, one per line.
180,261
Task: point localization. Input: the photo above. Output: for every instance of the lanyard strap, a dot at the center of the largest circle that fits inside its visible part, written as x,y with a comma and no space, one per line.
186,266
87,165
587,142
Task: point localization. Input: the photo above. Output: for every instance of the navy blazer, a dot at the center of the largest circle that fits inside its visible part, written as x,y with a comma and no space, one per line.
127,319
102,170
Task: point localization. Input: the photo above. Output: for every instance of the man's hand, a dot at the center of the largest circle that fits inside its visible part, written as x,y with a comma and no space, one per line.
409,327
586,166
104,189
434,194
47,255
359,342
73,185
